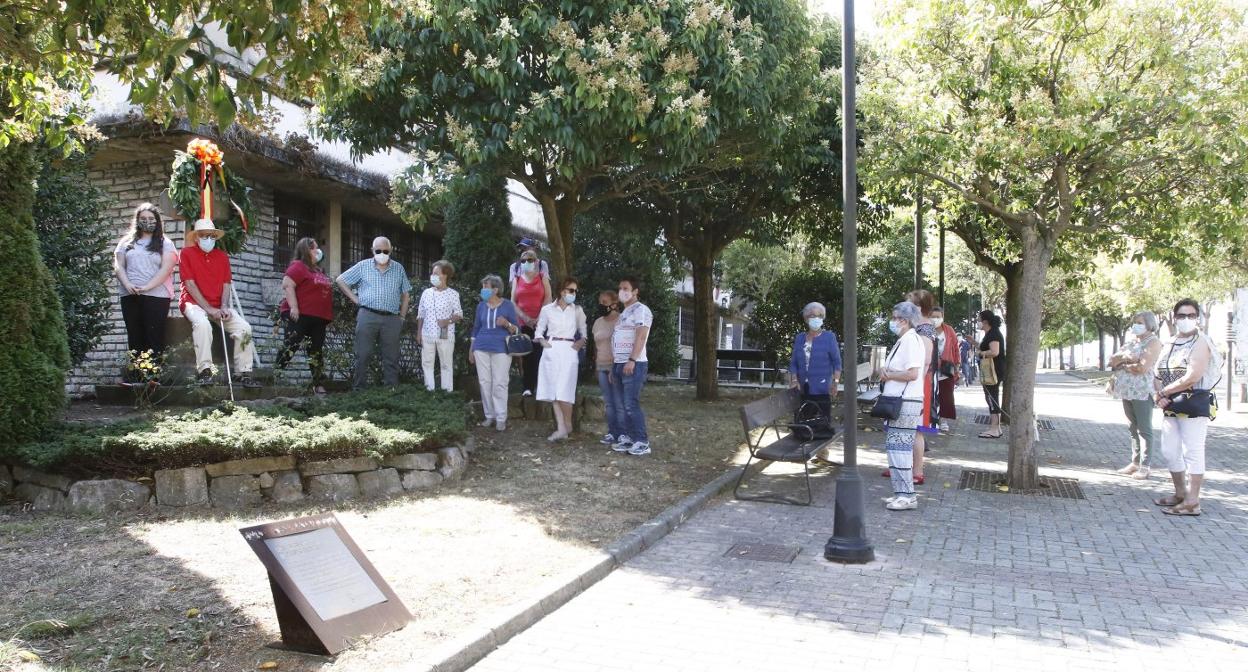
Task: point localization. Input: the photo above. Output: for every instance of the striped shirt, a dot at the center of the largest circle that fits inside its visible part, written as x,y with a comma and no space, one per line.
377,290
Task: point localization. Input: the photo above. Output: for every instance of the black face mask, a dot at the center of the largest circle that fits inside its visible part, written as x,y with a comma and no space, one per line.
606,310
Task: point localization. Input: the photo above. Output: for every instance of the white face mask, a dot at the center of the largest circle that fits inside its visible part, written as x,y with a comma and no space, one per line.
1138,329
206,244
626,295
381,258
318,255
1186,325
435,280
937,321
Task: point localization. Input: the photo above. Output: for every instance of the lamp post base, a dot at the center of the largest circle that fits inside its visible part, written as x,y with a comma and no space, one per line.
849,543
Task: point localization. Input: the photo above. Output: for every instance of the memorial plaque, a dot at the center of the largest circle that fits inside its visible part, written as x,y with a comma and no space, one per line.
326,593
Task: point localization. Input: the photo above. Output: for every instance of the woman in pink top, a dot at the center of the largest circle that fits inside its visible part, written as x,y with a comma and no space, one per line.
530,290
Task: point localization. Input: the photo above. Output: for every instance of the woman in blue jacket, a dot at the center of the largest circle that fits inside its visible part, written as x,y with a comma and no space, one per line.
815,368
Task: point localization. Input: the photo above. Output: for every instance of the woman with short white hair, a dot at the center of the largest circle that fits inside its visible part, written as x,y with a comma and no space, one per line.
815,367
1131,382
903,377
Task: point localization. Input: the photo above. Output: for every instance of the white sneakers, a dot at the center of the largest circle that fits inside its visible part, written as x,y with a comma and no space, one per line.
902,503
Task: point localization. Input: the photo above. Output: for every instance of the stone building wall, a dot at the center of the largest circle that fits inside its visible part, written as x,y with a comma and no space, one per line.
129,183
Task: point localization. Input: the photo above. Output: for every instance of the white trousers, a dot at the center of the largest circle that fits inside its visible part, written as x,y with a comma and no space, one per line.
236,327
444,349
494,374
1183,444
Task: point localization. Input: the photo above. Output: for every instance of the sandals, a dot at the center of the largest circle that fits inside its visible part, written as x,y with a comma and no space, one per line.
1169,500
986,435
1181,510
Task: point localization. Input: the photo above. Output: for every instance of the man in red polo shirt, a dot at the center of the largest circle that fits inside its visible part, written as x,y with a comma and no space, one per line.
206,282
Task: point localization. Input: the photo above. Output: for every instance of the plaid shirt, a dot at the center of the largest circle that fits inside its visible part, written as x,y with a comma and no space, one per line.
377,290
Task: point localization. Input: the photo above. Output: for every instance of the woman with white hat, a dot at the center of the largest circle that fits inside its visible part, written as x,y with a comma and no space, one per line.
206,284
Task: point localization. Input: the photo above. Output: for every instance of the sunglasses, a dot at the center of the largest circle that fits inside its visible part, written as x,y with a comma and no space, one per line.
381,251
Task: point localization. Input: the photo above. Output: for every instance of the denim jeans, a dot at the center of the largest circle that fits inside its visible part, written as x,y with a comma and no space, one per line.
613,404
628,390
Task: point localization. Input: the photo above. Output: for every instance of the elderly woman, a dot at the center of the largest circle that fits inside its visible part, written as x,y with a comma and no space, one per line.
307,308
1188,364
902,375
815,368
561,331
495,320
926,330
1132,383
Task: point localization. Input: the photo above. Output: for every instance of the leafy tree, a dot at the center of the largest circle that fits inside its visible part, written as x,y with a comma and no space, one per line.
1061,119
74,241
771,180
478,233
613,241
580,101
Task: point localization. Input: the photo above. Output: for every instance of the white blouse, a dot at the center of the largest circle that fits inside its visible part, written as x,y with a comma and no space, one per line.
556,321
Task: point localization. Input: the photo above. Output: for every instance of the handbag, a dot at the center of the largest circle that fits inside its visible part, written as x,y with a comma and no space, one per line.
1194,404
519,345
811,423
987,372
888,408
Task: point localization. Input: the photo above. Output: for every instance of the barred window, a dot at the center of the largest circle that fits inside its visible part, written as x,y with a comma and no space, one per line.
416,251
295,218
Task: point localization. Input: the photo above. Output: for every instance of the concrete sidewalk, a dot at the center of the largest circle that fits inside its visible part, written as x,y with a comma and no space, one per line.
970,581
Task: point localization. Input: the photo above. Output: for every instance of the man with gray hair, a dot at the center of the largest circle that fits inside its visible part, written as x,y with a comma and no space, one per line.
380,287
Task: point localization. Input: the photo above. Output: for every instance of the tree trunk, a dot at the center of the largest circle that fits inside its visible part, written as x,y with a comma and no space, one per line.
1100,347
1021,361
705,331
1013,311
558,215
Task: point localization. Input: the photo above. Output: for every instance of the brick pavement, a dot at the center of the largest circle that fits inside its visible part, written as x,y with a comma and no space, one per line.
971,581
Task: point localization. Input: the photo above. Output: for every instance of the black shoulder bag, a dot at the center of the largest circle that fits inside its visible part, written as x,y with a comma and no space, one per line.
812,422
886,407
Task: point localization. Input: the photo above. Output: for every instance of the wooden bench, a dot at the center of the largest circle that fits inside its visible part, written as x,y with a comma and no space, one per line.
774,413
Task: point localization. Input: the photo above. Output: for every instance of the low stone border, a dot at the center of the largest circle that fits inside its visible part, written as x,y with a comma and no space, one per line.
463,652
240,484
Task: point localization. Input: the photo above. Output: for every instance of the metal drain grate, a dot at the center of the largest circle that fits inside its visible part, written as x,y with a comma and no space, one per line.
982,480
763,552
1046,425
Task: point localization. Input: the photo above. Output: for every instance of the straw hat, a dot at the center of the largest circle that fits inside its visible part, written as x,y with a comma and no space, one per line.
203,227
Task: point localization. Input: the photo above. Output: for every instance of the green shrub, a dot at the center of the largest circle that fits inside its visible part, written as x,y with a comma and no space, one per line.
375,423
76,242
33,350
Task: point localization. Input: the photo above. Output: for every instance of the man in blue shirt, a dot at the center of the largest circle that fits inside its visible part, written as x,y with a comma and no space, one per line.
381,289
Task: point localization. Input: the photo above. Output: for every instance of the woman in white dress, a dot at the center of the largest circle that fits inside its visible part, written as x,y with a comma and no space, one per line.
561,332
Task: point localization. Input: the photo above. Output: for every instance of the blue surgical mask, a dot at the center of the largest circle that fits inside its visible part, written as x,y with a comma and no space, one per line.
206,244
815,323
894,327
1138,329
320,254
486,293
528,266
569,299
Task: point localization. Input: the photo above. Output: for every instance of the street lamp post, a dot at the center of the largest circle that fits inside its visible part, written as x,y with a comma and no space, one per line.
849,541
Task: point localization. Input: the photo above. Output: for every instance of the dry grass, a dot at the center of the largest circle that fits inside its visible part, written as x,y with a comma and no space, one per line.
526,512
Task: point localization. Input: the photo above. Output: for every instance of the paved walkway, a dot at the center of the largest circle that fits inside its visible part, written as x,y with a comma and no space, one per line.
971,581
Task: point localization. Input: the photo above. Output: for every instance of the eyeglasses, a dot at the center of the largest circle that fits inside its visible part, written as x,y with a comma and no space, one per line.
1183,315
381,251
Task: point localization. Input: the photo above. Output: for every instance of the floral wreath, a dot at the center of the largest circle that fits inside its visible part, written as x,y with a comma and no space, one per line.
190,189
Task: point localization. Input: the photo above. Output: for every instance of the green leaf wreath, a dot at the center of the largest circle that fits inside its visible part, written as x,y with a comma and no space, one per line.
184,191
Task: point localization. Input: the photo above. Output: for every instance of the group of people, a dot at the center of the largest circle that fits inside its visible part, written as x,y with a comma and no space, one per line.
922,369
1177,377
143,262
554,328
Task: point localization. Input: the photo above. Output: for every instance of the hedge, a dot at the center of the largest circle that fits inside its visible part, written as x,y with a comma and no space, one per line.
373,423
